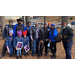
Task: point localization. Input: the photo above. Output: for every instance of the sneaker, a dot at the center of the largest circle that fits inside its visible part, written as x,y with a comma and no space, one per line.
40,55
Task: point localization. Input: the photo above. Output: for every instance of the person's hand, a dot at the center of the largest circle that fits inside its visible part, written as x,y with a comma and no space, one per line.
49,40
41,41
8,49
4,39
16,48
32,40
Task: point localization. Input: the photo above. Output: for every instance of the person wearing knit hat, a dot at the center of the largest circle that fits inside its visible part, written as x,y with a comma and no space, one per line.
9,43
49,25
25,42
52,34
17,39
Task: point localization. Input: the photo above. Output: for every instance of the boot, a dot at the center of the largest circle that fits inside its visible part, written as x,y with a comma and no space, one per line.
17,57
27,54
53,56
20,56
2,56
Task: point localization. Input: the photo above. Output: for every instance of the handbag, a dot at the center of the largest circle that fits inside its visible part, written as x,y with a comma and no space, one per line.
58,38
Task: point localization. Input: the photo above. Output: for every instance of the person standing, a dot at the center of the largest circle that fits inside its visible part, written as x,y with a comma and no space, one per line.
34,35
67,39
29,28
9,43
7,28
17,39
19,26
52,34
49,25
43,36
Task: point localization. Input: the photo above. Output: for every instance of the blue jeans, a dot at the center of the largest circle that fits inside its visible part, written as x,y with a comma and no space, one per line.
35,46
67,47
11,50
18,51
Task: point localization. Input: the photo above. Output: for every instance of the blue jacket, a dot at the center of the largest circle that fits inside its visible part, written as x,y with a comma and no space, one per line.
15,29
9,41
49,27
55,33
17,39
25,41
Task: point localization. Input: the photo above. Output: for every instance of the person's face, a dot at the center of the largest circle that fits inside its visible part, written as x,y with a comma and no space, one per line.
64,25
10,34
49,25
24,36
10,23
29,24
52,27
19,22
36,24
19,36
45,26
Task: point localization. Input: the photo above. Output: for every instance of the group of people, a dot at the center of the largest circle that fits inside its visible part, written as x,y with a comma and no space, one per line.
36,38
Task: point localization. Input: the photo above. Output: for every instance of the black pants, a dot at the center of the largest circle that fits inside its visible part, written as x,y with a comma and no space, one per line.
42,46
4,50
53,47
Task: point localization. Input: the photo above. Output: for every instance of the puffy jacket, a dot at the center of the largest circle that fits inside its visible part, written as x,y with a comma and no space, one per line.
17,39
67,34
52,36
9,41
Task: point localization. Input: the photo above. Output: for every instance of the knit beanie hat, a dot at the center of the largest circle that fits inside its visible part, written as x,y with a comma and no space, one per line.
11,31
19,33
24,32
53,24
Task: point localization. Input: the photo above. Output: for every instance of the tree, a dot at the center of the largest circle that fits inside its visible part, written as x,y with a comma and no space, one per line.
2,19
44,19
27,19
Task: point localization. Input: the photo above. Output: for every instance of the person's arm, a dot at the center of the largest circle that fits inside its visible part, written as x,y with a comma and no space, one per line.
71,34
31,34
14,42
28,41
7,42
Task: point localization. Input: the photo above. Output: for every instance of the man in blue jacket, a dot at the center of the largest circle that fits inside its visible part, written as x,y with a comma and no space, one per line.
19,26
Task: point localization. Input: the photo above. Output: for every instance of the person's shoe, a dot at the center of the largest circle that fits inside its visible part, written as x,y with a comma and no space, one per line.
17,57
40,56
53,57
27,54
33,54
2,56
10,55
20,56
